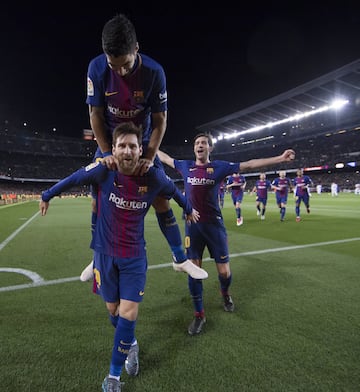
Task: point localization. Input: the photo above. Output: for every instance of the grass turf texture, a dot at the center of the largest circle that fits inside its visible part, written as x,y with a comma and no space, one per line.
295,287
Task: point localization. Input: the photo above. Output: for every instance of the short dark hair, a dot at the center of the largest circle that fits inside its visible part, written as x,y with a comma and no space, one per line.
119,36
127,128
205,134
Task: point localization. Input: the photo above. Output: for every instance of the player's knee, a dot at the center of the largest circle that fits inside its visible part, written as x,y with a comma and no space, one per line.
161,205
113,308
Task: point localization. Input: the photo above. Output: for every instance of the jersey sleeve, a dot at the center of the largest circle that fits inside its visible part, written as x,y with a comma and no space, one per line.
94,173
158,97
96,81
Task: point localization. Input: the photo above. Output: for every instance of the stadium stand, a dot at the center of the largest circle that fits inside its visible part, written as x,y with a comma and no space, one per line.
31,162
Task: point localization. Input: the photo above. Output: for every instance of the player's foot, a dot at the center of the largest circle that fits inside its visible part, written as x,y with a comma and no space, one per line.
258,213
308,210
88,272
132,365
111,385
228,303
282,220
239,221
262,217
298,219
191,269
196,325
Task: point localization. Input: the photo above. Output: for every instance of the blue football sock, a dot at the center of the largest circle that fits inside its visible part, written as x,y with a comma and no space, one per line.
196,292
171,231
124,336
114,320
224,284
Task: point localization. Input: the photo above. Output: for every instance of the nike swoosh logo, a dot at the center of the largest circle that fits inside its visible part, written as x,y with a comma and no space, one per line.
141,293
192,169
118,185
223,257
110,93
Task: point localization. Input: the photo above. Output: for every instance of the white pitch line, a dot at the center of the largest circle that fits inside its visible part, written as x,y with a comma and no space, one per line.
17,231
250,253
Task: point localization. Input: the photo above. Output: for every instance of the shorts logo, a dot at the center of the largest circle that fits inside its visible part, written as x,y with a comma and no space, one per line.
110,93
141,293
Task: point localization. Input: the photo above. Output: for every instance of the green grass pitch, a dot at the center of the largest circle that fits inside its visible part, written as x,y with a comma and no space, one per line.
296,325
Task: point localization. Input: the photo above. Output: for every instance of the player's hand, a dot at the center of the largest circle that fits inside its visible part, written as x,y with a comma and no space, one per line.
143,166
43,207
288,155
110,162
193,217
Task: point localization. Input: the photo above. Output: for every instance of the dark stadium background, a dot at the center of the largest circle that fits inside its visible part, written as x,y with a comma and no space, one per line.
219,64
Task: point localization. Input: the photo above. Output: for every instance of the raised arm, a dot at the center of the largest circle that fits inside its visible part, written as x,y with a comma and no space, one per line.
167,159
286,156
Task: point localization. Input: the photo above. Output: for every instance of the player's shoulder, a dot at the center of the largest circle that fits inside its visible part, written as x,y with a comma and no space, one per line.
155,172
149,62
221,163
96,168
99,62
184,163
93,166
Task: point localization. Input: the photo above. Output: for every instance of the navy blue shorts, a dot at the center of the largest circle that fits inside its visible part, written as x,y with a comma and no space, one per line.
120,278
207,234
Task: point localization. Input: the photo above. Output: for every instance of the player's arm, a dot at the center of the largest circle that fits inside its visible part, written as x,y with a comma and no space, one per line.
274,187
229,185
286,156
170,191
167,159
191,214
159,127
97,122
91,174
157,134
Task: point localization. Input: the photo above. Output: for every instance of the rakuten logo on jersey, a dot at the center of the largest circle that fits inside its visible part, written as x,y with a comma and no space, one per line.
123,113
200,181
120,202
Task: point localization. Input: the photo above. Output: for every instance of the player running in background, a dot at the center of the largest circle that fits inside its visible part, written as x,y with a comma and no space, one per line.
202,179
262,185
301,184
126,85
281,186
236,186
120,261
334,189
